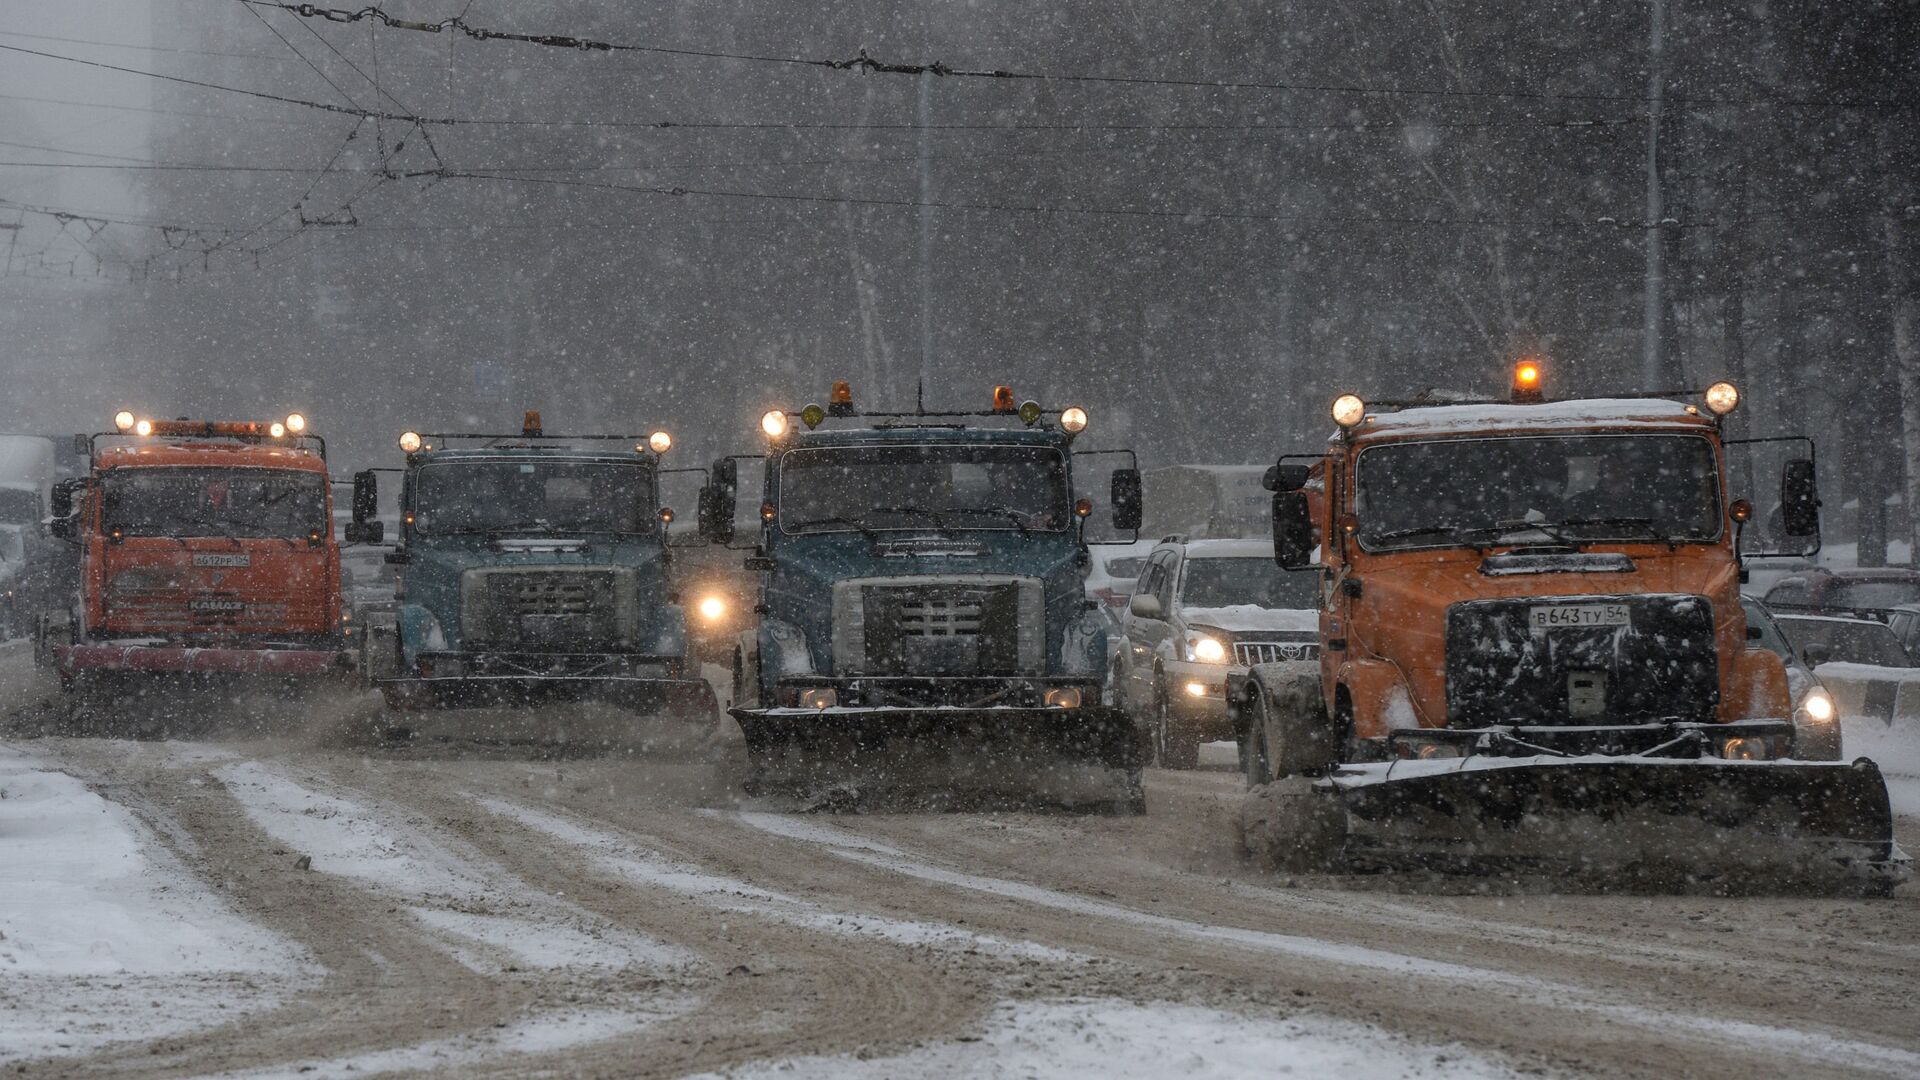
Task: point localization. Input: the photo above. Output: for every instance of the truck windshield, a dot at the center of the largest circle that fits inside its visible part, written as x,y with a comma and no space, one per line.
200,502
1545,489
533,497
866,488
1230,582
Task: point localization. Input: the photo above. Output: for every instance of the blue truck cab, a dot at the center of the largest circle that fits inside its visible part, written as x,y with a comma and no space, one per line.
923,578
530,568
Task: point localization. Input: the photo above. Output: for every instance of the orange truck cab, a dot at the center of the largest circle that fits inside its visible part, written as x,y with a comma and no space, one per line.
1532,647
1566,564
206,548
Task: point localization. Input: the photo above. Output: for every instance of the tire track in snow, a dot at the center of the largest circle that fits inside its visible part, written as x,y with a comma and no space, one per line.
628,859
1812,1045
489,918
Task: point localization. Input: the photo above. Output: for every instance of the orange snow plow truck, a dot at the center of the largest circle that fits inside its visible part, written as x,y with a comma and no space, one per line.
1533,654
207,550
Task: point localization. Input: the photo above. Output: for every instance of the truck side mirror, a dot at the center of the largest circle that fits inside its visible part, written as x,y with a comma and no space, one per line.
1285,477
83,445
366,528
1292,530
718,500
63,524
1799,499
1128,507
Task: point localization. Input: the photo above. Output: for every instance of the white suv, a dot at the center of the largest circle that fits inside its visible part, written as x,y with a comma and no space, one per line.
1202,609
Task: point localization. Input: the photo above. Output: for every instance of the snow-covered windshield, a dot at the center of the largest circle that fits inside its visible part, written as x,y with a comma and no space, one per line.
199,502
1848,641
1230,582
839,489
520,496
1565,488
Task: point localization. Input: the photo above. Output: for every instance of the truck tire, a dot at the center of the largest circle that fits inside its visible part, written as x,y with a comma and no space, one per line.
1290,712
1291,826
1173,747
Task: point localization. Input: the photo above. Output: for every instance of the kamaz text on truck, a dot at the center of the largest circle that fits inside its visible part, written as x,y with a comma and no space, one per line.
207,549
923,591
531,567
1533,650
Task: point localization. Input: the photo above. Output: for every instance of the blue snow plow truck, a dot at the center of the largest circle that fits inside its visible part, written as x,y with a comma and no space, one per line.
532,568
923,603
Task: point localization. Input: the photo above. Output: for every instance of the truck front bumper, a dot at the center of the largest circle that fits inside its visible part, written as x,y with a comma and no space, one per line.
182,659
445,679
1093,733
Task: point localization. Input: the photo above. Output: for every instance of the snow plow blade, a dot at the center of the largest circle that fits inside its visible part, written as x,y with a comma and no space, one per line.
1770,822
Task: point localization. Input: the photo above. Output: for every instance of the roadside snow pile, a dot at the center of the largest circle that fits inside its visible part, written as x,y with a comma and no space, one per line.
1120,1040
97,917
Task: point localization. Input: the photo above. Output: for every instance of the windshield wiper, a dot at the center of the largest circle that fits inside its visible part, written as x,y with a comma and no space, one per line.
1645,525
1018,519
1450,532
834,520
911,509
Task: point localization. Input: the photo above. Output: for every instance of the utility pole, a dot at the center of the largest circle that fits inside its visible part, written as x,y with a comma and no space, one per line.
1653,359
926,227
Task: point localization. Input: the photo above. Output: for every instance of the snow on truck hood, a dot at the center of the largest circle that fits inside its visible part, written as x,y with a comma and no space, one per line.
1253,617
1569,416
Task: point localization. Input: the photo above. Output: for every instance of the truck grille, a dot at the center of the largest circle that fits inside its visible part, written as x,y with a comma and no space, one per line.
179,611
549,608
939,618
547,594
1249,653
936,625
1660,661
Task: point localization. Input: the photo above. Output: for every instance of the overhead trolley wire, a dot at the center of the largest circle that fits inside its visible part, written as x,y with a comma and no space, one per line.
863,62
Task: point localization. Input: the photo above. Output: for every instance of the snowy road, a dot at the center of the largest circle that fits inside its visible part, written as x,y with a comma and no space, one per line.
310,906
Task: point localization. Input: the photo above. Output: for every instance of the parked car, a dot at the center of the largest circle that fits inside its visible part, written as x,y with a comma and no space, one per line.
1202,609
1859,660
1823,590
1816,720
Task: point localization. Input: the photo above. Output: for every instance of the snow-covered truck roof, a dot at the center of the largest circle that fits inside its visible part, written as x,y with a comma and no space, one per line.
1545,417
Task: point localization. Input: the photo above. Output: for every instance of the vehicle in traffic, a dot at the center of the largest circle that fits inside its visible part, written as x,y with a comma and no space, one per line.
532,567
1205,609
1533,652
1816,719
923,591
206,551
1860,660
1828,590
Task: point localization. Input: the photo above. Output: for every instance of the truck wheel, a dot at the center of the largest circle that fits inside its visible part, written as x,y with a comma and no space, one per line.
1291,827
1300,736
1253,749
1173,747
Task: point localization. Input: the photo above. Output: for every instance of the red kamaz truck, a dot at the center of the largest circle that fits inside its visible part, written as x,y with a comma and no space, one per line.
207,550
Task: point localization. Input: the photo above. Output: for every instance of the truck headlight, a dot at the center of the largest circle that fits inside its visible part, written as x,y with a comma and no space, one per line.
1819,706
1063,697
819,697
712,608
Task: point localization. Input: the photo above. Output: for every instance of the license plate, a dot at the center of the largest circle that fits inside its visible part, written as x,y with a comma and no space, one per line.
203,558
1574,616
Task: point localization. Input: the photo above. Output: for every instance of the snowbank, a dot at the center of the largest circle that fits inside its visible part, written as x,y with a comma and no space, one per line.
96,915
1121,1040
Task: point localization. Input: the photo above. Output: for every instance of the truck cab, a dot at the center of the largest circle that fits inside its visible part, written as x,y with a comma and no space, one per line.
1533,650
529,567
206,548
923,578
